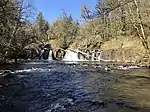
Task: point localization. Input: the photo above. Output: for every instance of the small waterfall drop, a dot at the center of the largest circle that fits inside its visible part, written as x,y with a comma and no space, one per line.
50,55
41,54
71,56
93,56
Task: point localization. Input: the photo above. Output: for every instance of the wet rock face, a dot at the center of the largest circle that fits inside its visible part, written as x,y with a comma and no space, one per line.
87,54
35,53
21,54
121,55
46,54
58,54
44,51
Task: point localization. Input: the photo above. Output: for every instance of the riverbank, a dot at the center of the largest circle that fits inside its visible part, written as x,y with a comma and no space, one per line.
10,62
120,49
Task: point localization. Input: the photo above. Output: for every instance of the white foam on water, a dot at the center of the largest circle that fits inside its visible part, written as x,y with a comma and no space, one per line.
55,107
127,67
50,55
32,70
7,71
35,63
60,105
71,56
98,66
41,54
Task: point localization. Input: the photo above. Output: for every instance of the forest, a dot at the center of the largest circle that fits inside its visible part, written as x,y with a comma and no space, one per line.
113,25
99,62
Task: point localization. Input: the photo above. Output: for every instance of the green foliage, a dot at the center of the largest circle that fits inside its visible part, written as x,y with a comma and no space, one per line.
85,12
42,27
64,30
115,18
110,20
40,20
15,31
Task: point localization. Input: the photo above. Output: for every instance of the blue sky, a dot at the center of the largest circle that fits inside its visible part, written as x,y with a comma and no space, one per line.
52,9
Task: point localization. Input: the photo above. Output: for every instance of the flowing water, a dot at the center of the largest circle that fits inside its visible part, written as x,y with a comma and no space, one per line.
50,86
72,56
50,55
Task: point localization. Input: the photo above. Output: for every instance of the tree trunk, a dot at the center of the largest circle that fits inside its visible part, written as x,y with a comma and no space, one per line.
142,37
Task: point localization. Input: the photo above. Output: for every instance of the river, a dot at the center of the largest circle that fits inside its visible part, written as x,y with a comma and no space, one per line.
51,86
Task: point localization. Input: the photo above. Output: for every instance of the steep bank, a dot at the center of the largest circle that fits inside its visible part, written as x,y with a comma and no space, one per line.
121,55
121,49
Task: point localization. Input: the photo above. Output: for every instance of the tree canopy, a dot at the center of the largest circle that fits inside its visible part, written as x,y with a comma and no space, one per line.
111,19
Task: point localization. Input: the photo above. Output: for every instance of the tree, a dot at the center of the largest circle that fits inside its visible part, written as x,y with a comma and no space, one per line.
86,13
42,27
14,37
140,30
64,30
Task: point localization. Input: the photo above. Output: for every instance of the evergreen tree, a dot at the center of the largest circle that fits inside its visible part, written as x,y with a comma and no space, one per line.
43,27
64,30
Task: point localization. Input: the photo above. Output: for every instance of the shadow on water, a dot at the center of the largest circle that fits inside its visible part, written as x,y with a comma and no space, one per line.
43,86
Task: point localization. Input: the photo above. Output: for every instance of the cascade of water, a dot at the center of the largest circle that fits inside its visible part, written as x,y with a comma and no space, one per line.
50,55
41,54
72,56
93,56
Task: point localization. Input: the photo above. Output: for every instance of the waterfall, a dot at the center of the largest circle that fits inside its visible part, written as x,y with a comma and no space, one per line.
71,56
50,55
78,55
41,54
93,56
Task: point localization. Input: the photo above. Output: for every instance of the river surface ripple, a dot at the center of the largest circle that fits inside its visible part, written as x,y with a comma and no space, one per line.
60,87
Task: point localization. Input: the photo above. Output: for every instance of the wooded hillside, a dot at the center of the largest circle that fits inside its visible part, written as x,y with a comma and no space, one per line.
113,24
